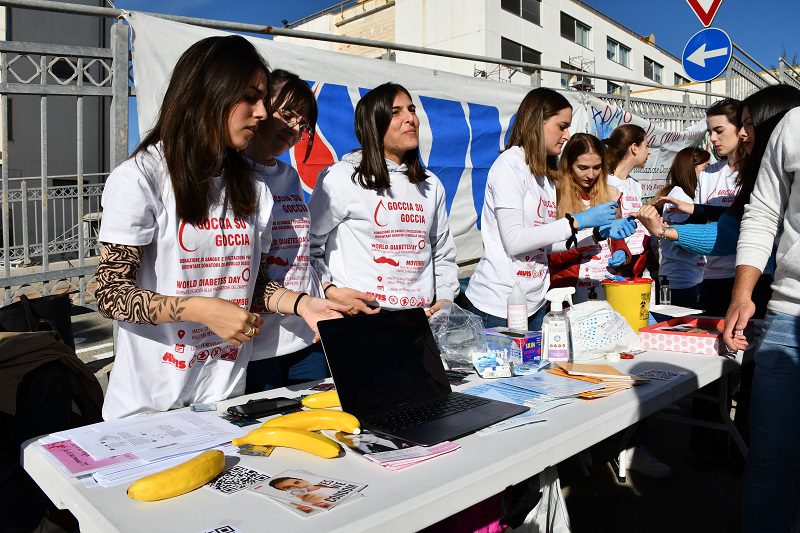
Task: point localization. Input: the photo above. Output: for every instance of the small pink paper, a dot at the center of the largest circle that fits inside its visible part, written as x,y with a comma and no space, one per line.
78,461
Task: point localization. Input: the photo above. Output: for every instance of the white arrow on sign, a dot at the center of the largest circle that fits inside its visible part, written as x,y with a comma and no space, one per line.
699,56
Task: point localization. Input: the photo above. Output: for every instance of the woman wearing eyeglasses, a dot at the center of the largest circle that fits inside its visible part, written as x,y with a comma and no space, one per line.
285,353
378,217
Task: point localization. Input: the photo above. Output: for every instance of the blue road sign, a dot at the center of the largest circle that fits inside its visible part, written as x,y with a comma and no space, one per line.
707,54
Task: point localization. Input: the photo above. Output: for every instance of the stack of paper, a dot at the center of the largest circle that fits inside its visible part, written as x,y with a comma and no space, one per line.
390,452
611,380
120,451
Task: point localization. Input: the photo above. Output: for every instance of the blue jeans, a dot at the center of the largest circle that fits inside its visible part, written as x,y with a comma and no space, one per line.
491,321
308,364
770,486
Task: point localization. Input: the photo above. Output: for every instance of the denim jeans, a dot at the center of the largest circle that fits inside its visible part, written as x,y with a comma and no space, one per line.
491,321
686,297
770,486
308,364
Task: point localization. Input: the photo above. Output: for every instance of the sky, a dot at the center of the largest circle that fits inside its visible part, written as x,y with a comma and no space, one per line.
763,32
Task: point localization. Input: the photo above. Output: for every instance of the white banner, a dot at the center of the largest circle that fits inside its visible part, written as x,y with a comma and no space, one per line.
463,121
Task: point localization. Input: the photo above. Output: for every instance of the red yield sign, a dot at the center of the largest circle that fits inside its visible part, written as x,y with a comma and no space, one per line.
705,10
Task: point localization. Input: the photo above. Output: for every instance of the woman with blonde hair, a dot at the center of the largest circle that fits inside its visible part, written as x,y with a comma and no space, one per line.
582,184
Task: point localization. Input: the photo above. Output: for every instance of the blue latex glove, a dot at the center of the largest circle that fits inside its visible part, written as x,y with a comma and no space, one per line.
615,278
618,258
599,215
619,228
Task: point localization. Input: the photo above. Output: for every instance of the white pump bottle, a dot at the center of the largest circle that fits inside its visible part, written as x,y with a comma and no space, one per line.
556,345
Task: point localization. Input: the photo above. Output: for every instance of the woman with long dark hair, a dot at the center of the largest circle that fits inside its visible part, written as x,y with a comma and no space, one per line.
519,223
683,269
184,226
378,217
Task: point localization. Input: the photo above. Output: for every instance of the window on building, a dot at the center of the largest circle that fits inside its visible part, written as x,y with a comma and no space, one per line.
517,52
653,70
575,30
582,83
530,10
613,88
619,53
680,80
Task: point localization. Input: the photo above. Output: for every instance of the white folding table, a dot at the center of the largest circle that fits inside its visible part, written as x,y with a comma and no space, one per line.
394,501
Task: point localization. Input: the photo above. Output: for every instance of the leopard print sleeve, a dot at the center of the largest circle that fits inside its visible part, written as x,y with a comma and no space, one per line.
117,295
265,288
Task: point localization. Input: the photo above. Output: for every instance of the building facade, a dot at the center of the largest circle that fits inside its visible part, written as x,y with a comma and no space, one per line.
556,33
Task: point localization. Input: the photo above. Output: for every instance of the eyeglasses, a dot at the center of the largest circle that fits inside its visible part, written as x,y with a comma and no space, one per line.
292,120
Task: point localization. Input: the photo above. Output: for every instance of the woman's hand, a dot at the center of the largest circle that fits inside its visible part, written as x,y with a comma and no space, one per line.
230,322
355,300
650,219
435,307
680,205
314,309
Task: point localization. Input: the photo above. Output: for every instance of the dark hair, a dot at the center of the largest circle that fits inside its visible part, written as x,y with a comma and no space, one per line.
767,107
295,94
727,107
274,481
570,195
373,116
619,141
207,81
528,130
682,173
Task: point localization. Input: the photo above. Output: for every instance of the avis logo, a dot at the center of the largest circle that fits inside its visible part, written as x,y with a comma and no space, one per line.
172,360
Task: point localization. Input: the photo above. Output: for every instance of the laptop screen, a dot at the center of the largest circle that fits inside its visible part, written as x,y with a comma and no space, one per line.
383,359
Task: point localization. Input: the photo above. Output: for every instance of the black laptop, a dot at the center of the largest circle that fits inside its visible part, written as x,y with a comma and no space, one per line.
389,375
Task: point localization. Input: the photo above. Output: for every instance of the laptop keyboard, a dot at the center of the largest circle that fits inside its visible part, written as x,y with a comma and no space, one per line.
420,413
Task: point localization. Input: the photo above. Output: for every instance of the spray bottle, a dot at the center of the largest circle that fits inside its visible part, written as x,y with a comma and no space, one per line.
517,310
555,327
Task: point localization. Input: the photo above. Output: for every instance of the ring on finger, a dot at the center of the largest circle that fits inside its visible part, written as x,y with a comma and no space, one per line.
251,329
252,321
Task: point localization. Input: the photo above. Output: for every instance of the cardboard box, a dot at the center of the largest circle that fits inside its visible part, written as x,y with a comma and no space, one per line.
518,347
663,336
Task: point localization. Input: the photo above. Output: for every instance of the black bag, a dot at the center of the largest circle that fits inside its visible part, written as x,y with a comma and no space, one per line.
46,313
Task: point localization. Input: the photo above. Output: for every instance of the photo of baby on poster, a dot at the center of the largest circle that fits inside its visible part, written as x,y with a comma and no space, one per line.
308,493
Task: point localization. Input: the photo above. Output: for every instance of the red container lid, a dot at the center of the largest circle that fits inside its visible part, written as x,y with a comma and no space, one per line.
628,281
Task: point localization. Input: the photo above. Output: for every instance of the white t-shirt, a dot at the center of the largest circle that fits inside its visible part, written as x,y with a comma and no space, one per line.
288,261
166,366
717,186
511,185
683,269
630,202
394,243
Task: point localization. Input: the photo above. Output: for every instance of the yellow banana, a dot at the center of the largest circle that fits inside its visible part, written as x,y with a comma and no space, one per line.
179,479
299,439
316,420
322,400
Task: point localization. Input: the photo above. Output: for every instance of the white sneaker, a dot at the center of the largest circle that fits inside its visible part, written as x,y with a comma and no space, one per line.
643,461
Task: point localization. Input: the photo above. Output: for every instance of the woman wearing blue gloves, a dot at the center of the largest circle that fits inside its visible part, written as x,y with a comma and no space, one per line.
519,223
582,183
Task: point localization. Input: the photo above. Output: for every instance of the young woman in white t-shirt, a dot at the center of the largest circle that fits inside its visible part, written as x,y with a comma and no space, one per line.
628,150
184,226
287,355
378,217
519,224
683,269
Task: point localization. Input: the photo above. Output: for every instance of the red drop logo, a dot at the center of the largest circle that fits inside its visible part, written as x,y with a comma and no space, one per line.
181,333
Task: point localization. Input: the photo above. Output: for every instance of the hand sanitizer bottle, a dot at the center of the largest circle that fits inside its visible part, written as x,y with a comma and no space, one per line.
517,310
555,327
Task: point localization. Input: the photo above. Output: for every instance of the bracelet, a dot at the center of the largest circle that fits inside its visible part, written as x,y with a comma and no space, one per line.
325,290
573,239
278,303
297,302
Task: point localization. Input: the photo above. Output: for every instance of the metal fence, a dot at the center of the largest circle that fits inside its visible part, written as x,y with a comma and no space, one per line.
54,227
